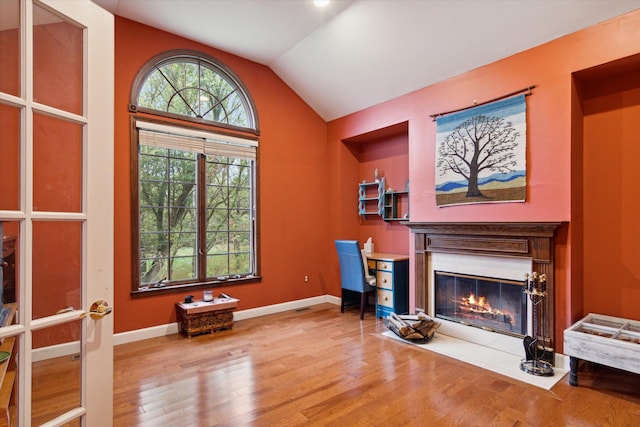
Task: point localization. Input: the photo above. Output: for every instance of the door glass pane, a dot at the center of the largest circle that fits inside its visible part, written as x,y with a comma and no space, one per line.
10,47
9,231
57,271
9,345
55,381
8,373
9,157
57,61
57,165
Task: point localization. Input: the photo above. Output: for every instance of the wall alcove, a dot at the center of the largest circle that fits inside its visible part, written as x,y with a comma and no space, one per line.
605,193
385,149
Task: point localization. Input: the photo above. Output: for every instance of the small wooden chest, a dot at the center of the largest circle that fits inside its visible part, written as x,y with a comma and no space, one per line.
205,316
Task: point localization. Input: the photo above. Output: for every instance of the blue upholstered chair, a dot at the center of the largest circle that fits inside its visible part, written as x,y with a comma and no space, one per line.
354,272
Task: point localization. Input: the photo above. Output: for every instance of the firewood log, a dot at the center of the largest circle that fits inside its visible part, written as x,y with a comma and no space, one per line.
414,336
402,328
412,327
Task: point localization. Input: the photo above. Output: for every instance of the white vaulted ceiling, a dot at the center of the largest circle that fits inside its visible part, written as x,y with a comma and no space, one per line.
353,54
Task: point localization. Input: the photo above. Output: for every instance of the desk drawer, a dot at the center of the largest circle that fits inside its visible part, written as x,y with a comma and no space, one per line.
385,298
384,279
385,265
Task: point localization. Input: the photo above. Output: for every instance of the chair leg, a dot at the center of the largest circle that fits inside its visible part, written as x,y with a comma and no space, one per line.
363,304
342,303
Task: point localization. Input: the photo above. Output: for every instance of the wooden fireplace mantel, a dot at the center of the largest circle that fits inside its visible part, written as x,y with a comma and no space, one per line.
534,240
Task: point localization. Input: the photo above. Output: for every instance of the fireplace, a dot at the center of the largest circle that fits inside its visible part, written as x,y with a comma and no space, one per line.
497,305
487,260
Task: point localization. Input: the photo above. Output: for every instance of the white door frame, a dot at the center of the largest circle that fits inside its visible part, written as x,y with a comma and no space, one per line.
96,343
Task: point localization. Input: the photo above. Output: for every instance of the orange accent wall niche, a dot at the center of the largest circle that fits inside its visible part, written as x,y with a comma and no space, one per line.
293,186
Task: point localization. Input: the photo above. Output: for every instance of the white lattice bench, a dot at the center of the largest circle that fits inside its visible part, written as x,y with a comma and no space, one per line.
610,341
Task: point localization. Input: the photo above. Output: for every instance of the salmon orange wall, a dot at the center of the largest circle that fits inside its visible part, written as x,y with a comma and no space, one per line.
10,149
9,58
549,133
293,185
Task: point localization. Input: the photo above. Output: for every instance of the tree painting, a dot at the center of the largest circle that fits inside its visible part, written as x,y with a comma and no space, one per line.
480,154
479,143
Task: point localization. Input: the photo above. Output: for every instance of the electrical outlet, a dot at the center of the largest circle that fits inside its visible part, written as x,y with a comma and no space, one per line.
306,279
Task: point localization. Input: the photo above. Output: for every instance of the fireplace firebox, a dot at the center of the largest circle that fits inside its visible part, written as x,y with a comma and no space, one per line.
498,305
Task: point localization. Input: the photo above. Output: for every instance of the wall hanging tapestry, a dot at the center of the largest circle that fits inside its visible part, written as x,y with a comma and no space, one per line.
481,154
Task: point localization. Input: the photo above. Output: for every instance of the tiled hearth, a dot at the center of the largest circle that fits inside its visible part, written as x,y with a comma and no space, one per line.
487,358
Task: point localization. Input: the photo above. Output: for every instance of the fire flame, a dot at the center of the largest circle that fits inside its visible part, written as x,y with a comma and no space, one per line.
479,304
480,307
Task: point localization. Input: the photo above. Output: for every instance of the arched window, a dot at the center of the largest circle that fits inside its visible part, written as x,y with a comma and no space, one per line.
195,204
186,84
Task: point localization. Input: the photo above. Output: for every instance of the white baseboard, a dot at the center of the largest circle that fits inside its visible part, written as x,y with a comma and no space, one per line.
58,350
146,333
72,348
172,328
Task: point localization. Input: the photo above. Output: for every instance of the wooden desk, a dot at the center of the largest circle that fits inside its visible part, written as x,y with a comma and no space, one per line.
205,316
392,277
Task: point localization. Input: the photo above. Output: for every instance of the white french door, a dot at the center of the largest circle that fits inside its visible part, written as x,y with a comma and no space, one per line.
56,204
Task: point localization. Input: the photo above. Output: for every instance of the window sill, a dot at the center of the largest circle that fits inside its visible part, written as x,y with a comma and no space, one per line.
189,287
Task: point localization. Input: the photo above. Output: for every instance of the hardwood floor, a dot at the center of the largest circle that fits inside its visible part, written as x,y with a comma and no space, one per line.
317,367
320,367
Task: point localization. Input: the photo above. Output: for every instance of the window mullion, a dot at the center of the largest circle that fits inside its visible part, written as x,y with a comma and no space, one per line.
168,206
202,217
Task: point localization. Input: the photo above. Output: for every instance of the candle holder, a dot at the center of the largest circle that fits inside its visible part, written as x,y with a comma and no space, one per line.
534,363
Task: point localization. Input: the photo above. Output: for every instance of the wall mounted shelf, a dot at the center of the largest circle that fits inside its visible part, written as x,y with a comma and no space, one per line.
371,198
395,202
389,204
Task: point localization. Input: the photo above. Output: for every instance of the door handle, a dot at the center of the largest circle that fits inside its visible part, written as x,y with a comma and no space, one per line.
98,310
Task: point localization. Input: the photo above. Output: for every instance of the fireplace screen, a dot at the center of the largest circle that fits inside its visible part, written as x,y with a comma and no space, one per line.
496,304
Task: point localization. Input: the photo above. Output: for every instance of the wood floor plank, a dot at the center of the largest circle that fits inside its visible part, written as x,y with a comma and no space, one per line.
318,367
